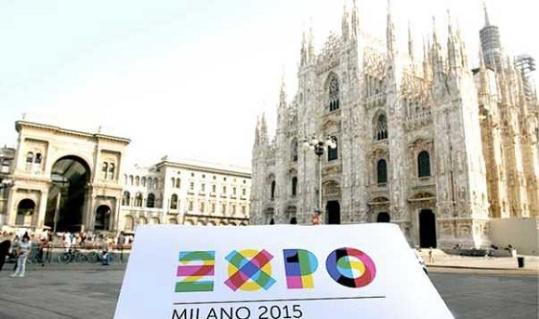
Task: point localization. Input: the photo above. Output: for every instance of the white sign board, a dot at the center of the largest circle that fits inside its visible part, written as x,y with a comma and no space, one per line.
276,272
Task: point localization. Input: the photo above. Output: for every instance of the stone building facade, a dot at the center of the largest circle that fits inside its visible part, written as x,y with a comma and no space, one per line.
185,192
63,179
70,180
425,142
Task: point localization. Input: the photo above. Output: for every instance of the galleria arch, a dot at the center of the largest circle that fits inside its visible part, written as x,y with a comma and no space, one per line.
71,177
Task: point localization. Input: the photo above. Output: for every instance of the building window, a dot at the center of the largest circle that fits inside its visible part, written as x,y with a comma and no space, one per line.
333,93
131,180
381,128
202,207
192,186
213,188
38,158
333,153
178,183
203,187
243,210
381,172
174,201
294,186
423,164
30,157
293,151
137,181
143,182
190,208
224,190
150,183
244,192
126,199
138,200
212,208
173,180
233,209
105,169
234,190
223,209
150,202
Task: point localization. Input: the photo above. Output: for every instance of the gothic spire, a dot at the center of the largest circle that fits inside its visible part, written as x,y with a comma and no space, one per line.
390,31
303,52
282,94
452,51
310,46
355,21
263,129
257,131
345,24
410,43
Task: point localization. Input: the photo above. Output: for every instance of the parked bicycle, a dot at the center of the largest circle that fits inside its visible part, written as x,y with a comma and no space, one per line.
73,255
97,256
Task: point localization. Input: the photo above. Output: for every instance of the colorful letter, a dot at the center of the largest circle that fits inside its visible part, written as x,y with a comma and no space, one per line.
249,270
196,270
299,265
351,267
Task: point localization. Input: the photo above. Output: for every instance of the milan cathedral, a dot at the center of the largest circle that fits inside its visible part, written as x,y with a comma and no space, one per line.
426,142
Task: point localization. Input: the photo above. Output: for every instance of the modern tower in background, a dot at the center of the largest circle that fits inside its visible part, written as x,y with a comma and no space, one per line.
491,44
526,65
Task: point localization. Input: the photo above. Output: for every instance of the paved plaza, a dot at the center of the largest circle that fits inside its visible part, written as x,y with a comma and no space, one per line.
91,292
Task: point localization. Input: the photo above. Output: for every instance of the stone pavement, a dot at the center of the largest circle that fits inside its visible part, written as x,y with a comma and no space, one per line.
87,292
501,263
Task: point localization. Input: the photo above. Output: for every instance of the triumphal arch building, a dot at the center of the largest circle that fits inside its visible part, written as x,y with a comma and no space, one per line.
65,179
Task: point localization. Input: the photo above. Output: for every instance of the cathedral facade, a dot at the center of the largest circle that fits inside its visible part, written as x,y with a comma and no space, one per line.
423,141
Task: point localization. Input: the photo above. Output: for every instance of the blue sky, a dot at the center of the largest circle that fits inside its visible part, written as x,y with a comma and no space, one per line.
188,78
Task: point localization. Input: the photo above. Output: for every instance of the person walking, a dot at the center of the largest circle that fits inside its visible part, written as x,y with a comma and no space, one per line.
4,251
14,246
43,243
22,252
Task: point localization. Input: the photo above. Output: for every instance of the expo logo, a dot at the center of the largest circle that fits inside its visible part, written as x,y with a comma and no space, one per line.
251,270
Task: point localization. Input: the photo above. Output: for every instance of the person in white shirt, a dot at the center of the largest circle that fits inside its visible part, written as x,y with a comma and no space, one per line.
23,251
67,242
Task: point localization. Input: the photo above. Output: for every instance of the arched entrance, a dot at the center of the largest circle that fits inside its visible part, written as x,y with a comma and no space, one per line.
427,229
102,218
333,211
67,195
25,212
383,218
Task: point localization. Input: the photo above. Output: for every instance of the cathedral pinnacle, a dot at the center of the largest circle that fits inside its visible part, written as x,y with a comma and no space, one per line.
345,24
282,94
355,21
390,31
410,43
303,52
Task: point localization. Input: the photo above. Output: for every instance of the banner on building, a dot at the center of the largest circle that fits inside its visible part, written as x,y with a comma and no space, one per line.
276,272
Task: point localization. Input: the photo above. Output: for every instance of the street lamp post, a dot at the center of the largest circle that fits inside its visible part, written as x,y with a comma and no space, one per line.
318,145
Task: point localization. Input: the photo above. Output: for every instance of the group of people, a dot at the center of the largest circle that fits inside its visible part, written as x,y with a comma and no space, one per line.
19,246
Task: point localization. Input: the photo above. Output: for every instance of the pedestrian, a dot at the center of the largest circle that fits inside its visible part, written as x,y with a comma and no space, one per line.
104,250
431,256
14,246
120,245
67,242
4,252
22,255
43,243
316,217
